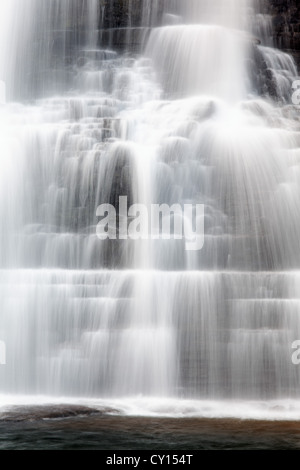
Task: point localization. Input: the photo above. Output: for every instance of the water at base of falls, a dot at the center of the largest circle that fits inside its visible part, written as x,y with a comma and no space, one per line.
145,326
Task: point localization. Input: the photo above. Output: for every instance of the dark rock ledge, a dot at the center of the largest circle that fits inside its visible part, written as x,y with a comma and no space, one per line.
41,412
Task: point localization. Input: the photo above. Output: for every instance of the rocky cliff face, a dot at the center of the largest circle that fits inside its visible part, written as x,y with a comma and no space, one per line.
286,24
125,23
119,14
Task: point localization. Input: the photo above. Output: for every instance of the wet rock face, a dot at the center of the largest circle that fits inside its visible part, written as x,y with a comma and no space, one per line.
124,24
36,413
286,24
119,14
129,13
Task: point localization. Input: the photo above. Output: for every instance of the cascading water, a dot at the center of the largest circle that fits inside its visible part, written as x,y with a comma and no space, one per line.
202,117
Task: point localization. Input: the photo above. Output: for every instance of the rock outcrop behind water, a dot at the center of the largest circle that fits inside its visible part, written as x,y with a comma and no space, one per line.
120,14
286,24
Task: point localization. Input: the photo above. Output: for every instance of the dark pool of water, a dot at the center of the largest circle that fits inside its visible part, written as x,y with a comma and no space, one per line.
126,433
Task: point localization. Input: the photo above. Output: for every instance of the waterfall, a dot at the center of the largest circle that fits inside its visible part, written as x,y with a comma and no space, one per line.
200,115
43,39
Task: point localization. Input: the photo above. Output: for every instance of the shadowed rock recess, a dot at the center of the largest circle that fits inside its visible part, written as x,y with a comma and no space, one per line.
285,24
